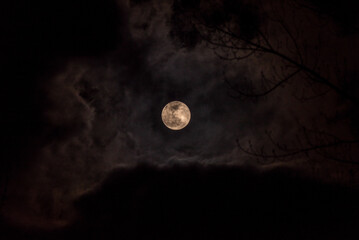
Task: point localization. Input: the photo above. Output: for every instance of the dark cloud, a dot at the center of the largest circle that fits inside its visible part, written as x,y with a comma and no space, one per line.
244,16
38,40
39,108
342,13
215,203
191,202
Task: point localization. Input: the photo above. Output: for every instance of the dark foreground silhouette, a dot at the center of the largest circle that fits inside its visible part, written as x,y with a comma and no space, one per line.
192,202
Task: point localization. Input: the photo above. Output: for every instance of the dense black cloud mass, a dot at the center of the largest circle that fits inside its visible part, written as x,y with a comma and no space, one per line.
242,14
38,39
217,203
192,202
342,12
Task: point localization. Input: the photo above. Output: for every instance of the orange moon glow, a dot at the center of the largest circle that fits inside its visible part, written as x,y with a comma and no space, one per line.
176,115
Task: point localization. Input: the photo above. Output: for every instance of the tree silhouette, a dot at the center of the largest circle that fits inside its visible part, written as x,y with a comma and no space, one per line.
237,30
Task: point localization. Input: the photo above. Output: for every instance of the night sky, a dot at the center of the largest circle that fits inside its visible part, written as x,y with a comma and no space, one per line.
271,151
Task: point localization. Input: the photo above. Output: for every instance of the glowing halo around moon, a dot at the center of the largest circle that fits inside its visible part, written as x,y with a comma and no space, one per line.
176,115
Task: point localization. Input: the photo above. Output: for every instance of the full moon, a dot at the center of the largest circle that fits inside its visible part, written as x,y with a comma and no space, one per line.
176,115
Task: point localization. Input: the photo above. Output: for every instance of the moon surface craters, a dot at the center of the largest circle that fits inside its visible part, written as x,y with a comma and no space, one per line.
176,115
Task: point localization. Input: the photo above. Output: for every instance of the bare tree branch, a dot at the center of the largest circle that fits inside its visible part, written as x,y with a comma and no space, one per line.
299,151
281,82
